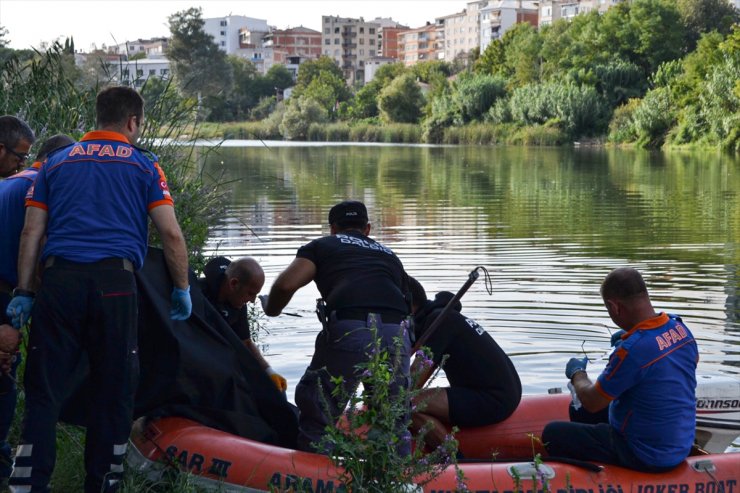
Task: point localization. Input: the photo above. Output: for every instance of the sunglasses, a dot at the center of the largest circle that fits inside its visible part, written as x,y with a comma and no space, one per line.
19,155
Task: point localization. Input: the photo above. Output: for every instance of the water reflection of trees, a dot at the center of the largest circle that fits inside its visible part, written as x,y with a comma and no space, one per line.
634,197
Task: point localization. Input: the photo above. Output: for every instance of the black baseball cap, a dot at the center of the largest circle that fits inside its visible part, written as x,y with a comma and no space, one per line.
349,210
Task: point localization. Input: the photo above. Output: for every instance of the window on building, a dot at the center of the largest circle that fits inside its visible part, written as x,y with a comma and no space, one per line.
164,71
327,30
327,41
362,41
152,72
336,41
223,43
371,30
362,52
336,52
372,52
223,33
139,72
336,30
222,23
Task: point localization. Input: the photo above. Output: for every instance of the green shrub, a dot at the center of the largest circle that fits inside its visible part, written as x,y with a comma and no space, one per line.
298,117
621,126
401,101
474,95
653,117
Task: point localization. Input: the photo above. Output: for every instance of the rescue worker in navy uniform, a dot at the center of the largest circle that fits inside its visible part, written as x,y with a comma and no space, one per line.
649,386
91,201
484,385
364,285
12,214
16,139
229,286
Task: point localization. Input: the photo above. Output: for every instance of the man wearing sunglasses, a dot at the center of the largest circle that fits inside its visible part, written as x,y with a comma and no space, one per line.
16,139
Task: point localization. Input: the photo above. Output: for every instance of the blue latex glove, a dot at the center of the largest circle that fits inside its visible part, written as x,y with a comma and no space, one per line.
575,365
19,310
181,304
617,337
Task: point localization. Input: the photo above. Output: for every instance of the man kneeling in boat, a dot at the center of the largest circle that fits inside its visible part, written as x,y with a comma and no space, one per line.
229,286
649,385
484,385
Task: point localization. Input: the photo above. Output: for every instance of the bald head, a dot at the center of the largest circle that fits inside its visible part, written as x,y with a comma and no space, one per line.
244,279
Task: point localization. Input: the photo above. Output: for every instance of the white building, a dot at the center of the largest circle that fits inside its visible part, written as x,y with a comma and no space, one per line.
499,16
461,30
136,72
225,30
373,64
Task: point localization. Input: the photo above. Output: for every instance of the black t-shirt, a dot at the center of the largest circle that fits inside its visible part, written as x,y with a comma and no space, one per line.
474,359
214,272
354,271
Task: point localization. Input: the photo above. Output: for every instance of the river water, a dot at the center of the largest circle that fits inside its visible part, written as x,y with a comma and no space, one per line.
548,225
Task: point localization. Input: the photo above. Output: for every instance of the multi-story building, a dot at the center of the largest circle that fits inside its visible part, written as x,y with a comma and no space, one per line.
552,10
461,30
388,37
148,47
226,31
350,42
499,16
136,72
297,41
420,44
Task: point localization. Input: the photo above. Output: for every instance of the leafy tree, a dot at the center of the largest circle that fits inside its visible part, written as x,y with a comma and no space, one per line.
475,94
248,86
198,64
298,117
327,89
278,77
401,101
654,117
3,34
365,102
429,70
493,59
703,16
658,33
311,69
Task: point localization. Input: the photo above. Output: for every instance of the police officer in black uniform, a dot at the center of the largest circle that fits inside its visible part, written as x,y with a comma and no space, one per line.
364,285
484,385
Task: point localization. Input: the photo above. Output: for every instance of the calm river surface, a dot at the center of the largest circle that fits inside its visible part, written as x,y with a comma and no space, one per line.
548,224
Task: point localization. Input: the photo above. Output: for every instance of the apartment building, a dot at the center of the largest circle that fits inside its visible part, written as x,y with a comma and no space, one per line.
350,42
388,37
499,16
226,31
461,31
297,41
552,10
135,73
149,47
421,44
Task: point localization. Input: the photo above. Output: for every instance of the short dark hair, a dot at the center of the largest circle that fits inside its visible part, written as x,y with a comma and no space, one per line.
418,294
623,283
52,144
13,130
114,105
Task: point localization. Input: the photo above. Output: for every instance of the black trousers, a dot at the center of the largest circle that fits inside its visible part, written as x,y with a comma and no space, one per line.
82,312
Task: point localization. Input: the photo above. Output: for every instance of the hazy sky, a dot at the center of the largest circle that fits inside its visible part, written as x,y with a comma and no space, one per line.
114,21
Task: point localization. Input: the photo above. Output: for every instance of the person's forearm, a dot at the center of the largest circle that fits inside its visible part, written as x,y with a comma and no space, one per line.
256,353
176,255
30,247
278,299
586,392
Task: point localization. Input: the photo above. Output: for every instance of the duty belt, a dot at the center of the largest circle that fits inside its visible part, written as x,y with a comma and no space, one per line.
106,263
362,314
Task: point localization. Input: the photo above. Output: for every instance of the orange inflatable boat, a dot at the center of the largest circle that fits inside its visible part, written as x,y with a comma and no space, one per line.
224,462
